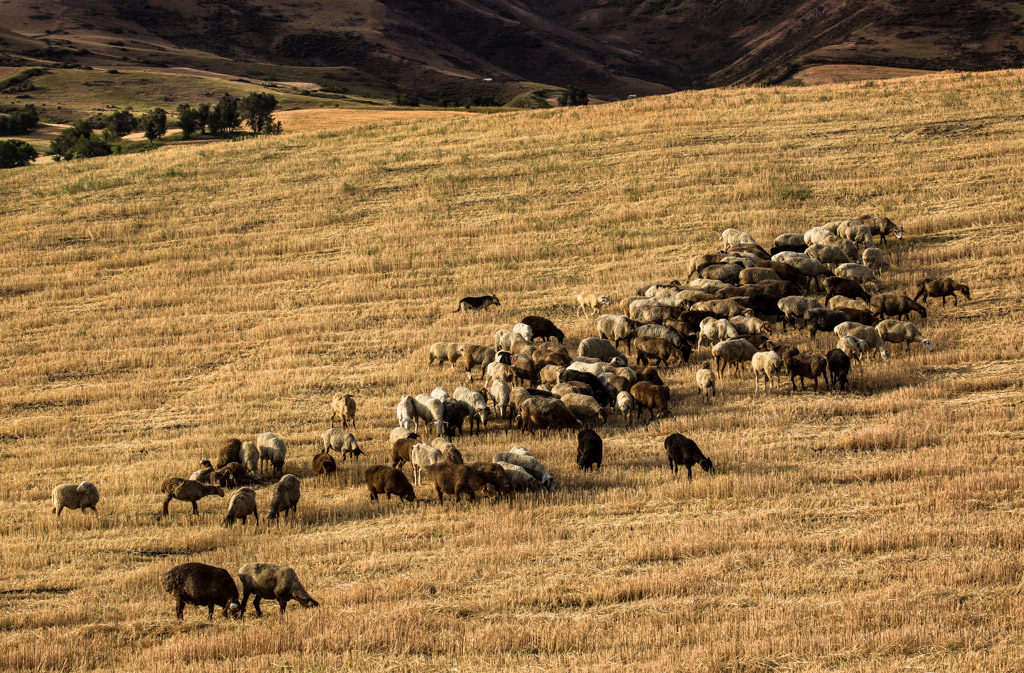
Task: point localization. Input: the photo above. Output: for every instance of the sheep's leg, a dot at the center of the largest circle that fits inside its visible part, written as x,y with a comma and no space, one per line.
283,602
210,614
195,507
440,497
689,472
60,508
256,605
180,608
256,516
167,500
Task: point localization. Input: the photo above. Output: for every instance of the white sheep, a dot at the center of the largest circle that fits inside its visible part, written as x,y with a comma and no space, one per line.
528,463
708,285
241,506
767,364
475,400
585,408
748,324
249,456
440,393
272,450
854,348
732,237
874,259
856,231
524,331
422,455
595,368
902,332
75,496
399,433
590,300
626,406
443,351
706,383
430,410
818,235
839,302
343,405
794,306
520,479
499,393
827,254
406,411
732,351
341,441
857,272
713,330
506,339
787,256
866,333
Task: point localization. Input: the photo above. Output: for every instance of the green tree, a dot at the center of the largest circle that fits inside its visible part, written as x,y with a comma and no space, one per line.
258,110
407,100
154,123
123,122
78,142
225,116
572,97
14,153
188,120
203,116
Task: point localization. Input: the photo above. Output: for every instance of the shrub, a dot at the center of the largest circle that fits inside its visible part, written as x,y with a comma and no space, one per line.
258,110
78,142
572,97
14,153
154,123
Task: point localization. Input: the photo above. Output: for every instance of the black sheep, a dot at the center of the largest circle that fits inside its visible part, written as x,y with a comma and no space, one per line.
838,368
600,392
589,450
543,328
200,584
381,479
683,451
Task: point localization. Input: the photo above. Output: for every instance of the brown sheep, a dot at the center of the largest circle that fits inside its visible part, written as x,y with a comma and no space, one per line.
660,350
280,583
844,287
804,366
232,474
203,585
228,453
649,374
651,396
546,413
381,479
894,305
401,451
188,491
945,287
343,405
324,463
457,480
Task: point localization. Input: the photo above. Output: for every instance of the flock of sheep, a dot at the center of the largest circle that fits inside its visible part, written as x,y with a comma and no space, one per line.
735,304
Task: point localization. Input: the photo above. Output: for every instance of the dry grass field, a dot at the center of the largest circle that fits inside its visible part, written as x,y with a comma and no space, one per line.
155,304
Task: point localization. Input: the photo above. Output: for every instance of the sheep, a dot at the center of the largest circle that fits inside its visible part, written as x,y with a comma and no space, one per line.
896,305
524,370
767,364
818,235
241,506
746,324
602,349
455,413
202,585
188,491
546,413
854,348
812,269
232,474
651,397
731,237
324,463
857,272
249,456
827,254
516,456
266,580
589,450
684,451
551,355
430,410
523,331
499,393
662,351
670,334
626,406
726,273
204,475
284,497
339,440
81,496
384,480
749,249
406,411
705,383
874,259
480,303
590,300
518,478
475,356
881,226
597,388
901,332
724,307
845,287
866,333
856,231
704,285
543,328
272,450
841,303
794,307
448,451
823,319
732,351
944,287
443,351
400,433
494,474
458,480
420,456
343,405
804,366
757,275
401,450
478,403
585,408
790,240
838,368
228,453
713,330
787,256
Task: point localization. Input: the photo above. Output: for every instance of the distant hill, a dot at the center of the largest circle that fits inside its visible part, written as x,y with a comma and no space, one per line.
451,51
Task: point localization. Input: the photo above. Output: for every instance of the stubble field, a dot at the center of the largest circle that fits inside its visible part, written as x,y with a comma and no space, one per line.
156,304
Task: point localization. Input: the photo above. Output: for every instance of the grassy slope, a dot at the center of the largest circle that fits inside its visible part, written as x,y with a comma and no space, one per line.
154,304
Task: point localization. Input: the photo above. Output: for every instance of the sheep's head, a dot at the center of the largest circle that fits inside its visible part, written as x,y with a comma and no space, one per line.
310,602
279,465
548,482
604,300
217,490
489,491
233,610
966,291
927,343
706,465
206,463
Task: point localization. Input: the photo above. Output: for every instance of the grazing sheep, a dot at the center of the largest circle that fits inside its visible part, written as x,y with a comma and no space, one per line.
505,340
881,226
704,285
478,402
524,370
81,496
597,388
458,480
945,287
866,333
662,351
241,506
732,237
670,334
249,456
324,463
494,474
448,451
812,269
400,433
896,305
406,411
901,332
284,497
188,491
684,451
874,259
651,397
794,307
430,410
343,405
602,349
420,456
401,450
519,455
272,451
498,371
499,392
626,406
551,374
617,329
266,580
857,272
724,307
551,354
585,408
804,366
546,413
204,475
590,301
475,356
455,414
823,319
747,324
845,287
856,231
524,331
443,351
543,328
827,254
228,453
841,303
384,480
589,450
787,256
725,273
819,235
706,383
232,474
838,369
339,440
767,364
793,242
518,478
480,303
756,275
202,585
732,351
854,348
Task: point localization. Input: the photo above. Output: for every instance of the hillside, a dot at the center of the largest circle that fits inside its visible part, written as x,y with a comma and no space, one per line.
450,52
155,304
